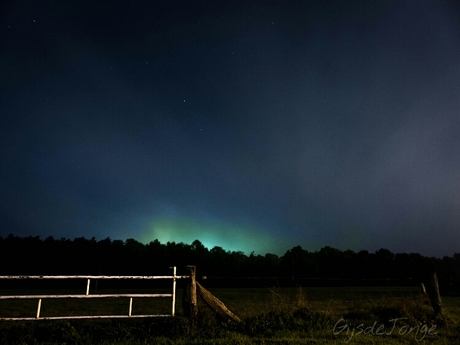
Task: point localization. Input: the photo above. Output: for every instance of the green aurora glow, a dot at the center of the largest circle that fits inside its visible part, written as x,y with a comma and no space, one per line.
230,237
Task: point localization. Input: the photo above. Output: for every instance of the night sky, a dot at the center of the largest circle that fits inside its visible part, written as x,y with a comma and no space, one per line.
250,125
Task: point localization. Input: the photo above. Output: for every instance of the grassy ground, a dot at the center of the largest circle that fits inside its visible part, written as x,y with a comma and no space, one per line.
271,316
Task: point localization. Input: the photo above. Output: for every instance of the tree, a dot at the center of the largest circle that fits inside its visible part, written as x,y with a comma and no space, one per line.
294,261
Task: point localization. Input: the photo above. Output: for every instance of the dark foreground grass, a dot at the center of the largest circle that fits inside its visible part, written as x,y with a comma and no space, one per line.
271,316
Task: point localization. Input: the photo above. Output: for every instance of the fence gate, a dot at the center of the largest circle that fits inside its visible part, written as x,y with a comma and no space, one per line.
87,295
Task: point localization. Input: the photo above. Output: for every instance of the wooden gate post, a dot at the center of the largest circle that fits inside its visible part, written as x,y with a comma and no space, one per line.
189,300
433,293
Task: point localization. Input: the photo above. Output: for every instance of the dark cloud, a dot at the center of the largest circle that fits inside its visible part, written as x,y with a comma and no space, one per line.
316,124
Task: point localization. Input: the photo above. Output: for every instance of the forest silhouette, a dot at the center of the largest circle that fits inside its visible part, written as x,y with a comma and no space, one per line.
81,256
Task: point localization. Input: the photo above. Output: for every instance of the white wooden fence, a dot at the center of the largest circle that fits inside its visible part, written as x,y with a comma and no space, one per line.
172,295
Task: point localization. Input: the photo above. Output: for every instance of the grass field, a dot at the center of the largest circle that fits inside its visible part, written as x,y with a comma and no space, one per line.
341,315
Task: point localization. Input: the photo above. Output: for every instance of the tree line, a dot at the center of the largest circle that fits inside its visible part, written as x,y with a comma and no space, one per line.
50,256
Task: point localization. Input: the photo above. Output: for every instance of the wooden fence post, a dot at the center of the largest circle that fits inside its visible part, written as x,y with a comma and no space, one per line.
433,293
423,289
189,300
215,304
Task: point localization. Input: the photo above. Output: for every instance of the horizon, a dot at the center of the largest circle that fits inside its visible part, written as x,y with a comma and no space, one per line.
209,248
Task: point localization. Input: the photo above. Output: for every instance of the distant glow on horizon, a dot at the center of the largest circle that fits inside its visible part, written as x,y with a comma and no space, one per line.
211,234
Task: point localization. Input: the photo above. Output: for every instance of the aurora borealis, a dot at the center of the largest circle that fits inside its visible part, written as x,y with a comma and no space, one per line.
252,125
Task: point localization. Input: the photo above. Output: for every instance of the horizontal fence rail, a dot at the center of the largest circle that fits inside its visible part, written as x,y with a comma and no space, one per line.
87,295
